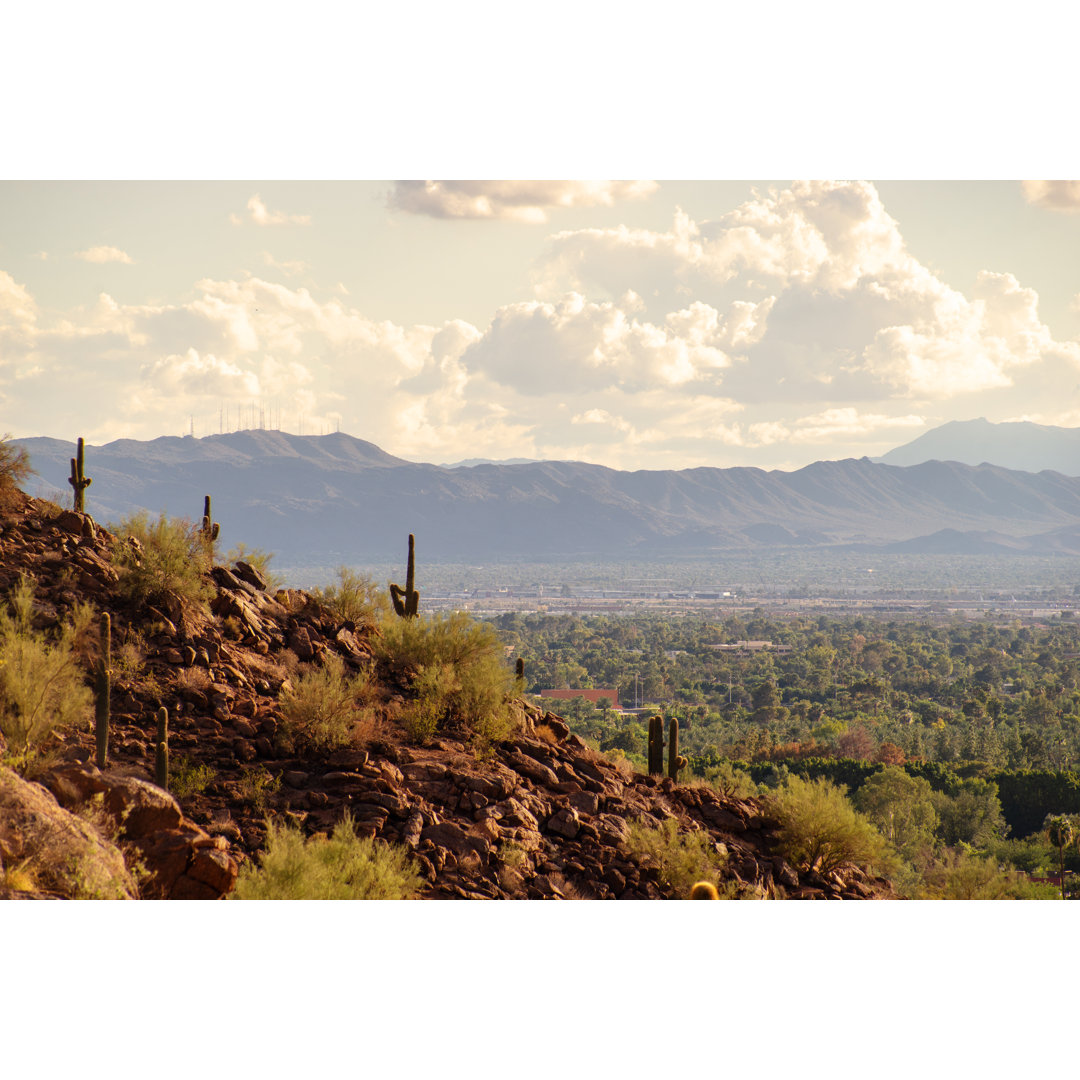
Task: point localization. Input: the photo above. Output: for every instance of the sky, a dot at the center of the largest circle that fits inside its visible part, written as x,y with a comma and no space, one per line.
631,323
174,256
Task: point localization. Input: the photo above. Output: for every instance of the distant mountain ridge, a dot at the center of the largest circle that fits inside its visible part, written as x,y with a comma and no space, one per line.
320,500
1016,444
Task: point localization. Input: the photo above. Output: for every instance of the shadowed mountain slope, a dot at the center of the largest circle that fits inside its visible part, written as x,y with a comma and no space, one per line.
333,498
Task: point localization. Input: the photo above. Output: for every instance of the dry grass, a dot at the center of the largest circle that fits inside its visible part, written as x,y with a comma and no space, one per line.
193,678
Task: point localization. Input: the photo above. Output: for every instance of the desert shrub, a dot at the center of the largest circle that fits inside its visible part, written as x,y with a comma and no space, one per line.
457,671
256,785
355,598
188,777
680,860
42,686
322,708
168,555
341,867
820,830
961,875
730,780
14,469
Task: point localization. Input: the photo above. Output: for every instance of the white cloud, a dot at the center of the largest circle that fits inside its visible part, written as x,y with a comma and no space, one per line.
510,200
1060,195
260,214
574,346
832,305
289,267
104,254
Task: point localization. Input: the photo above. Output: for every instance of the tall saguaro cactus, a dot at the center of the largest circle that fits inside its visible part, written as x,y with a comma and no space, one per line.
161,760
675,760
656,746
78,478
210,528
103,691
407,601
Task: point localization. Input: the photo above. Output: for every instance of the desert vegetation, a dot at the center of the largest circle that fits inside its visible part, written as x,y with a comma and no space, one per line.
343,866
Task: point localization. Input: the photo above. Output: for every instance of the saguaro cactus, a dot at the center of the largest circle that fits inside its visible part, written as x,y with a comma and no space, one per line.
656,746
407,601
161,761
210,528
675,760
103,691
78,479
704,890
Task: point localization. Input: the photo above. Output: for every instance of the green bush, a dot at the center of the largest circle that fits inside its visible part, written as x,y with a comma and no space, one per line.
343,867
820,830
456,671
961,875
355,598
42,687
187,777
14,469
323,707
680,861
169,555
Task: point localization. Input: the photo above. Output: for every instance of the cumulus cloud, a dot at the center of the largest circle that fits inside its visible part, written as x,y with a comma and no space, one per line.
259,214
1060,195
575,345
832,304
104,254
510,200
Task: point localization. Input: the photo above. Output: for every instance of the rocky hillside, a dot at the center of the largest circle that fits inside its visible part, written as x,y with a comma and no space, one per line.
540,816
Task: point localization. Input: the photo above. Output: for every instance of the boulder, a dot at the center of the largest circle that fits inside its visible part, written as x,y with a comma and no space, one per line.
64,854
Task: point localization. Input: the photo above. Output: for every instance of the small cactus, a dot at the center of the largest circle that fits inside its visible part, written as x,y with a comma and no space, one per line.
407,601
675,760
103,691
78,478
704,890
656,746
210,528
161,761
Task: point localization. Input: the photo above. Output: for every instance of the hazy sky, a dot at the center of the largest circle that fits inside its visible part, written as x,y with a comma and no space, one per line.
638,324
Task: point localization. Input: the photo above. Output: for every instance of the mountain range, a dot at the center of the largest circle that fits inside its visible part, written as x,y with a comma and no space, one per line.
322,500
1017,444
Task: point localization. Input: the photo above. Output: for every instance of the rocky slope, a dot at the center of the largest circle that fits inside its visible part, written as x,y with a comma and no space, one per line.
542,816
